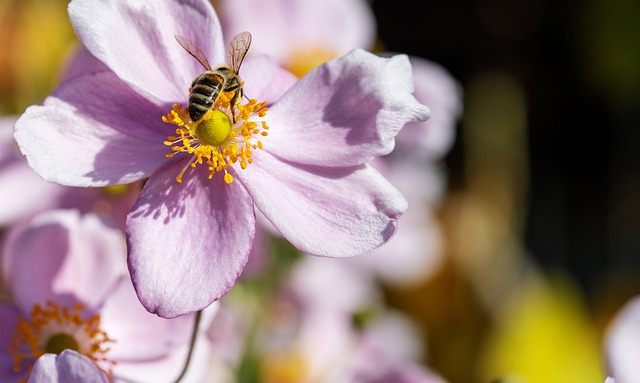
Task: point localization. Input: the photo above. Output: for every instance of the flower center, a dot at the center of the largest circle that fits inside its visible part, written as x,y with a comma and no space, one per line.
53,329
301,61
215,140
214,130
60,342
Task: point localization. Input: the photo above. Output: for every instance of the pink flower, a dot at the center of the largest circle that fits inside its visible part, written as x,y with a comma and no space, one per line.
188,242
70,290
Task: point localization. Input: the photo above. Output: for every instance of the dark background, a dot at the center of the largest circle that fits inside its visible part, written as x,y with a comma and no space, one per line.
578,66
577,62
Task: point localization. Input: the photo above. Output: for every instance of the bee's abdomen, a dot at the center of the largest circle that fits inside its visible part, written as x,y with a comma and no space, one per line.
204,92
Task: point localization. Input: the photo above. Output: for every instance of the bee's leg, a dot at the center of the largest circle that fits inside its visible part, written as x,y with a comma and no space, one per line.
235,99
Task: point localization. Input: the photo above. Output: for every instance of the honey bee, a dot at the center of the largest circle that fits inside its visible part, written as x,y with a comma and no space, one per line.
206,88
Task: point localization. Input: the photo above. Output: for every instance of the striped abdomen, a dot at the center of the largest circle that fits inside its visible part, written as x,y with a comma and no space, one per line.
204,92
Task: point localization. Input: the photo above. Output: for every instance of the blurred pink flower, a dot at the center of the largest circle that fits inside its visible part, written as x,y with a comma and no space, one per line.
301,34
69,286
622,344
311,181
340,331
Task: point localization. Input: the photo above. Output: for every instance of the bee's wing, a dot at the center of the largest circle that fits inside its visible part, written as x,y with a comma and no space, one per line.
194,51
237,49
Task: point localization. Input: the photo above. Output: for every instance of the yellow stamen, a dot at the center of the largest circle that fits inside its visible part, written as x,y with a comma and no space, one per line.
52,329
215,140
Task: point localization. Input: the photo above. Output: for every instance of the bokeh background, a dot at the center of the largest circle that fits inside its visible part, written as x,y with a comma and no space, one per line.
542,211
541,217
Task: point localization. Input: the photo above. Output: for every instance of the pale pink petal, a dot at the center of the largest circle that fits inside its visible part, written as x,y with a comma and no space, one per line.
168,367
22,191
140,336
336,212
188,242
396,373
412,256
415,252
8,321
135,39
67,367
350,289
622,343
268,81
63,257
82,62
93,131
282,27
389,351
344,112
327,340
441,92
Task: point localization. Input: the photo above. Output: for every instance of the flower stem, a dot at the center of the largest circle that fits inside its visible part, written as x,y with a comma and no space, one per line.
192,344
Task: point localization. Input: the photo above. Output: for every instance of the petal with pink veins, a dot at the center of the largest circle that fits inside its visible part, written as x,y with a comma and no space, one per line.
345,112
188,242
335,212
93,131
135,39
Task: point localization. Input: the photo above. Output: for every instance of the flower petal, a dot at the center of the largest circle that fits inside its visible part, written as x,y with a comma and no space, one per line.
93,131
82,62
166,368
282,27
437,88
67,367
268,80
344,112
139,335
22,191
63,257
188,242
135,39
623,343
335,212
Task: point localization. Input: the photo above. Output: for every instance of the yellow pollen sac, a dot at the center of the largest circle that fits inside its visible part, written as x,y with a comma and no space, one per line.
52,329
214,140
215,129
